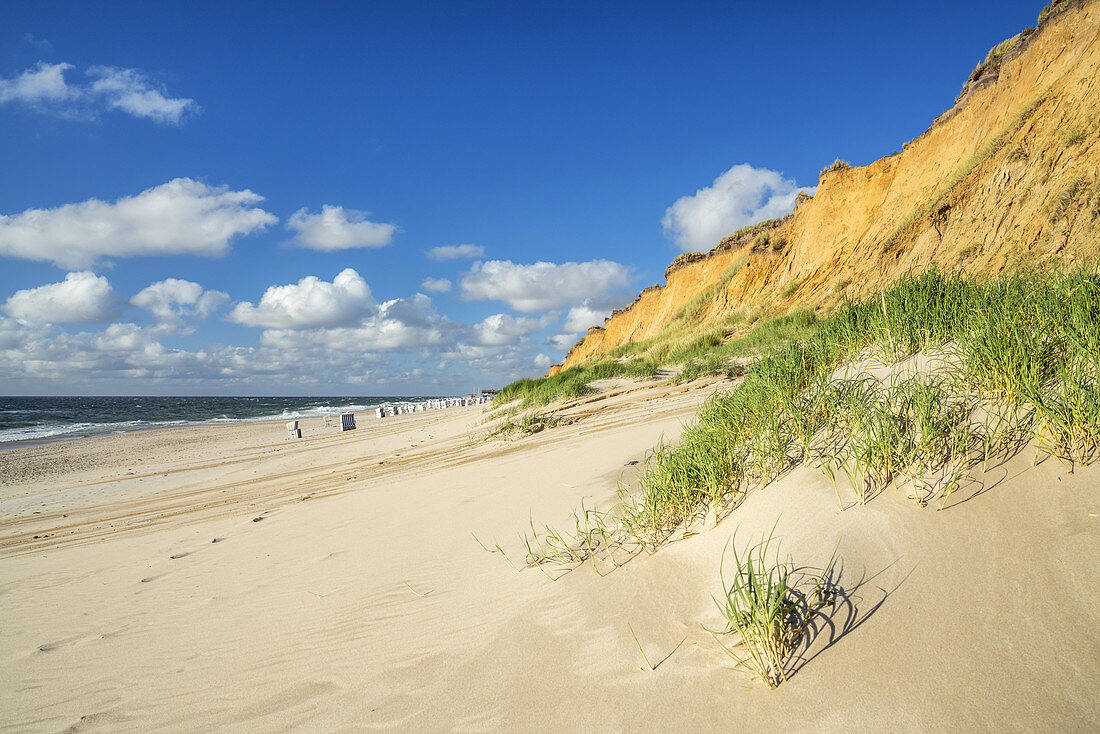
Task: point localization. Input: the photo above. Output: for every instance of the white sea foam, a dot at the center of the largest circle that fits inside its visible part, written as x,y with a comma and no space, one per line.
315,411
38,433
49,433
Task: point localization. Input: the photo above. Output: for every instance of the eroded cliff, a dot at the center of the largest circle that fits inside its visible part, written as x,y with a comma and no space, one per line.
1007,177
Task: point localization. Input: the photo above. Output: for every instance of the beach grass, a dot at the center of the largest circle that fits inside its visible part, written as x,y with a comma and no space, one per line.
530,423
1012,360
769,603
572,382
1051,8
705,356
910,389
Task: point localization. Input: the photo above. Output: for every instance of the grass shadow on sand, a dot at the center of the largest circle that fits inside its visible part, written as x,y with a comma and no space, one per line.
847,612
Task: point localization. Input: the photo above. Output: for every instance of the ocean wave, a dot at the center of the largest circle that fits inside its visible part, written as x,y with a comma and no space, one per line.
314,411
45,430
39,432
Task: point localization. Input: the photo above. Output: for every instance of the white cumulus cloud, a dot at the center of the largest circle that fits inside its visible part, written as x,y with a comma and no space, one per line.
456,252
129,90
581,317
337,228
172,301
43,84
742,195
591,312
400,324
542,285
436,285
44,88
180,217
309,304
501,329
82,298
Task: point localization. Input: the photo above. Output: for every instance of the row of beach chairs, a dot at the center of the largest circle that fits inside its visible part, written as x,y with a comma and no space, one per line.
388,411
347,420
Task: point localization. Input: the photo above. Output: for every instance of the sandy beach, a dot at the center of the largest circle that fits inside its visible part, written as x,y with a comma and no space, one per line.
791,321
225,578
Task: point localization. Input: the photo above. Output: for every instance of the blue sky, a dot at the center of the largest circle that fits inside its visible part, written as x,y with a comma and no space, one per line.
246,198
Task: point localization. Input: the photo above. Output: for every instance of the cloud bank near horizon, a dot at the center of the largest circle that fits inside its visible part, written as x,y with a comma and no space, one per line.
76,330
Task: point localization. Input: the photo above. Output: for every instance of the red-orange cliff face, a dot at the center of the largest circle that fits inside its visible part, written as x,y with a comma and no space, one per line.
1008,177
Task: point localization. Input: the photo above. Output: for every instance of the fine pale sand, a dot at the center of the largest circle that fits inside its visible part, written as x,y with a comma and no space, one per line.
227,578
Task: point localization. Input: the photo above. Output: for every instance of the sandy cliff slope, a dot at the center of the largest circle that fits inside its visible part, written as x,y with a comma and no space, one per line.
1008,177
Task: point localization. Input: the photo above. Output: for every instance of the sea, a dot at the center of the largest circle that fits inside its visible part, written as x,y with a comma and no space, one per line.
36,420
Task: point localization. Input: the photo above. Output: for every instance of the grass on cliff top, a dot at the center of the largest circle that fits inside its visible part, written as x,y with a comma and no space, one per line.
752,229
995,56
1051,8
1020,363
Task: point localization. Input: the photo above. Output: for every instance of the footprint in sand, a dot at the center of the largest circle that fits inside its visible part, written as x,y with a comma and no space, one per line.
51,646
94,721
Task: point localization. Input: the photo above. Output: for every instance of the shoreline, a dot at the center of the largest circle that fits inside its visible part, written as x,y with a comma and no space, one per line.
69,432
139,465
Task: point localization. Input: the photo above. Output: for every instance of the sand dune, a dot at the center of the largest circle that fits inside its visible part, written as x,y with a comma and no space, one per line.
238,581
